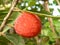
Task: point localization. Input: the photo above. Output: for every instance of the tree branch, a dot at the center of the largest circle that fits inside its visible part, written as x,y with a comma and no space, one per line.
9,14
39,14
49,19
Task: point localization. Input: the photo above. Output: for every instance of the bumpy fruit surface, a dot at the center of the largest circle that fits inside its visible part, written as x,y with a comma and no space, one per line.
27,25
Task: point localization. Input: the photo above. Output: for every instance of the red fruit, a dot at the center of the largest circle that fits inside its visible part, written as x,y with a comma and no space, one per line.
28,25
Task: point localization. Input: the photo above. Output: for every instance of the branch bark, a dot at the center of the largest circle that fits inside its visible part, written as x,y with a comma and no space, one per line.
49,19
9,14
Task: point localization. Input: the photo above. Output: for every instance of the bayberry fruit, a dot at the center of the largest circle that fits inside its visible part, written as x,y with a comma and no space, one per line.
27,25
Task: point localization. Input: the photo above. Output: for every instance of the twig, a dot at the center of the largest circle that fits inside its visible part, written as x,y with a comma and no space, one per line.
39,14
9,14
49,19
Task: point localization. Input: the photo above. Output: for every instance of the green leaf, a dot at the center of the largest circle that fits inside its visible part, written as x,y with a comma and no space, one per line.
51,10
57,25
3,41
59,10
31,2
40,5
25,0
30,41
11,18
1,2
6,28
55,2
45,12
15,39
44,40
